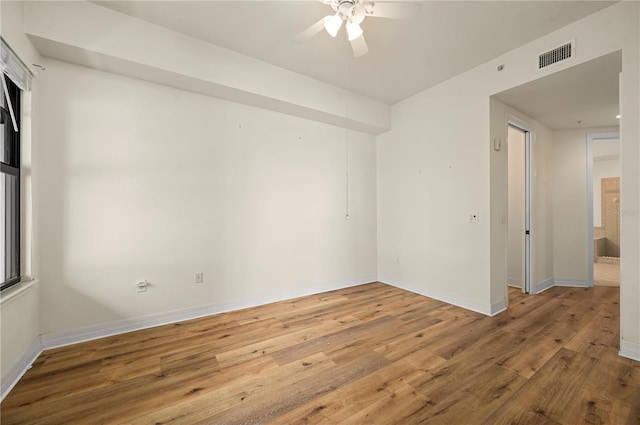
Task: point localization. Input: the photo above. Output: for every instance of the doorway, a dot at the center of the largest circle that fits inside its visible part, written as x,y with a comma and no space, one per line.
562,107
603,185
519,207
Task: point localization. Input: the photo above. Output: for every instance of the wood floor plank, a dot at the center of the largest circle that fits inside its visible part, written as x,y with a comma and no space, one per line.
349,398
546,396
405,345
159,344
609,395
483,395
191,358
297,307
331,340
464,372
267,407
441,333
36,379
602,334
236,394
448,344
282,342
538,317
372,341
536,349
368,354
353,307
385,410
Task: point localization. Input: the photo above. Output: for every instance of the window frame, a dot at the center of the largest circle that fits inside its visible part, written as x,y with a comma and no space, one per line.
12,168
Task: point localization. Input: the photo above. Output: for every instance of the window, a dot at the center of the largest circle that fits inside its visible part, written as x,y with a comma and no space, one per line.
10,183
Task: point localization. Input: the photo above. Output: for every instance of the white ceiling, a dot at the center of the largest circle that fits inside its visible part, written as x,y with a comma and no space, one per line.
406,56
587,93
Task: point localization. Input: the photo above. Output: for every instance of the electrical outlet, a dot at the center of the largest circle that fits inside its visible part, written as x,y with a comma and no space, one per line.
199,277
473,218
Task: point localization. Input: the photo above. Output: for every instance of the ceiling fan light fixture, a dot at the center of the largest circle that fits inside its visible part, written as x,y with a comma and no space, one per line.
332,24
353,30
353,13
357,13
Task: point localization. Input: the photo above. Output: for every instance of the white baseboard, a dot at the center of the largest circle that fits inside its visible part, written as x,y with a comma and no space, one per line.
485,309
630,350
74,336
511,281
572,283
544,285
498,307
19,369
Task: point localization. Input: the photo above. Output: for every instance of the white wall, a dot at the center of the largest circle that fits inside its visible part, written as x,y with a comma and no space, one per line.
11,26
606,148
20,334
434,168
430,178
515,208
543,226
143,181
19,306
88,34
541,198
570,241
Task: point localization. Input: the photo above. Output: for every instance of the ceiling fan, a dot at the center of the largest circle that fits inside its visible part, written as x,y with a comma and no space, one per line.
352,13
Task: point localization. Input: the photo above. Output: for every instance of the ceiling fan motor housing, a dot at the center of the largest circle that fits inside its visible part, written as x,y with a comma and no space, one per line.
349,10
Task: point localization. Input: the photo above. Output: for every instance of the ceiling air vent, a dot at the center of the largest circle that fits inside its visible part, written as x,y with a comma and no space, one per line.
566,51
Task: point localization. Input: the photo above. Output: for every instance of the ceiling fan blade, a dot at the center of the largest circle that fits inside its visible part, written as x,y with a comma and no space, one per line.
359,46
392,10
309,32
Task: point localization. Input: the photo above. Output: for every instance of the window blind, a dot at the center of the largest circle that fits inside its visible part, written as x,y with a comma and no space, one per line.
13,67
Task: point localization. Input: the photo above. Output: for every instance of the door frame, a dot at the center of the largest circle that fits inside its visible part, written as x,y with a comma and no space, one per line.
529,237
591,137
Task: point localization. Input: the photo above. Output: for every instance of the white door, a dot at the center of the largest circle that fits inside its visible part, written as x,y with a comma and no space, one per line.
519,208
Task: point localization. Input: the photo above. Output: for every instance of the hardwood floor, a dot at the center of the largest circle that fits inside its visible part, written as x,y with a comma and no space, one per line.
371,354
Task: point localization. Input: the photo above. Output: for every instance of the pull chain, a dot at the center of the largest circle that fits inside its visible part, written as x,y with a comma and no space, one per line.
346,126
